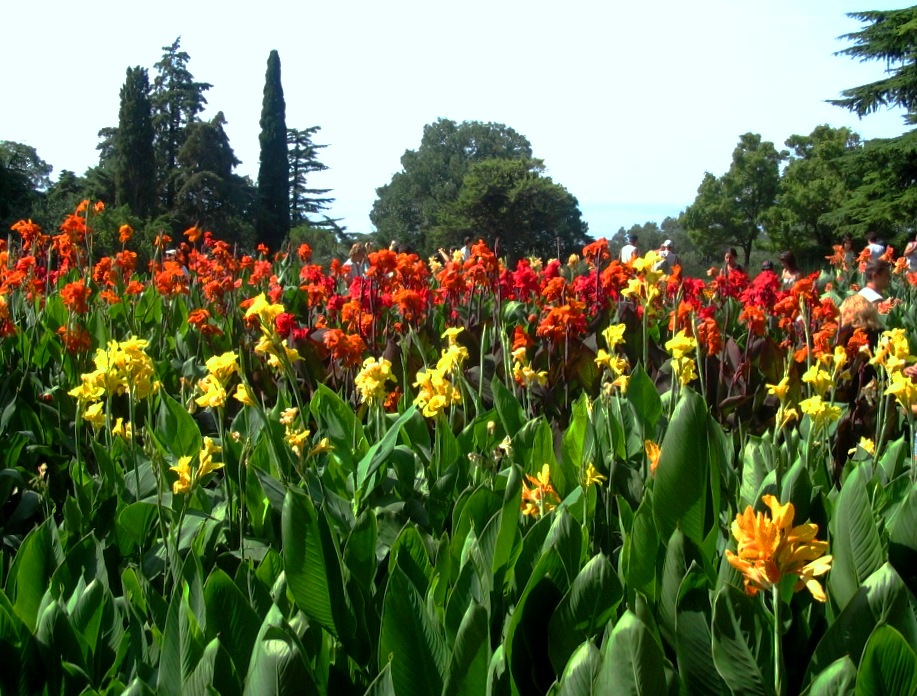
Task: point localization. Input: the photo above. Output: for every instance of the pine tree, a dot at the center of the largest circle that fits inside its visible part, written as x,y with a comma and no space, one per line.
134,157
303,154
272,223
177,100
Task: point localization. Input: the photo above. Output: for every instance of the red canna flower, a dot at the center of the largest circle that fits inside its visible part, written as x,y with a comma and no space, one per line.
76,296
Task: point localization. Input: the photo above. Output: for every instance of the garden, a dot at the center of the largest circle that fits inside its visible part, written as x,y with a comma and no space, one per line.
239,474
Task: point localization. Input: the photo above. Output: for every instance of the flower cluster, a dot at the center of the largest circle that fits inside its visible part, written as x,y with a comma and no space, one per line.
188,477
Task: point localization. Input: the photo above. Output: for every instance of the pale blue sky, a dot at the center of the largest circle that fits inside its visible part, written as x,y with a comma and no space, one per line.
627,104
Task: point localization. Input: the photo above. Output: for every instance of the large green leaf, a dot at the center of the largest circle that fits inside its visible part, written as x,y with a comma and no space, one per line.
470,655
338,422
589,604
681,483
230,618
511,414
578,678
312,563
278,665
641,547
377,455
38,557
693,641
632,661
182,645
758,459
855,542
411,640
644,395
215,673
883,599
889,665
902,540
176,428
837,679
742,643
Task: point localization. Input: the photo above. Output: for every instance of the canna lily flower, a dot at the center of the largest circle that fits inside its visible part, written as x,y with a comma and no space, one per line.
95,415
903,388
593,476
614,334
652,454
685,369
122,430
821,412
820,380
183,469
370,382
770,548
680,345
244,395
865,444
206,464
780,390
541,498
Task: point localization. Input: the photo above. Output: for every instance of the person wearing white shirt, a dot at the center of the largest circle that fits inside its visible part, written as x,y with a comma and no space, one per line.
878,276
629,250
875,248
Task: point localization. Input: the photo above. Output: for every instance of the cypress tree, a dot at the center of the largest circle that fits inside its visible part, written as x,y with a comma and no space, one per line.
134,157
272,222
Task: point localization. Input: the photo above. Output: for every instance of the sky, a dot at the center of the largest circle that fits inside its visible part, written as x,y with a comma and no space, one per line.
627,104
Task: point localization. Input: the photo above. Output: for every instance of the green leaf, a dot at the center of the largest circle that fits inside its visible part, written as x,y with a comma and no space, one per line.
902,539
758,459
338,422
182,645
510,411
644,395
889,665
580,672
278,666
230,618
742,643
856,546
38,557
176,428
313,566
692,635
378,454
641,546
836,679
215,673
411,640
680,489
470,655
588,606
382,685
883,599
632,661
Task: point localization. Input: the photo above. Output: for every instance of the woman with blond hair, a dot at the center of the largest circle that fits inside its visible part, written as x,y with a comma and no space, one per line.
356,261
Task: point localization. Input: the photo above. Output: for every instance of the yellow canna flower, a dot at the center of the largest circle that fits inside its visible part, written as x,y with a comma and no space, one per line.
542,497
244,395
224,366
820,411
264,310
820,380
370,382
451,333
903,388
122,430
614,335
95,415
685,369
603,359
213,395
183,469
781,389
206,464
680,345
770,548
593,476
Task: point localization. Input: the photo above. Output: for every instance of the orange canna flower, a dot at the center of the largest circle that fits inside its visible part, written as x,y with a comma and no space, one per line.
770,547
652,454
76,296
125,232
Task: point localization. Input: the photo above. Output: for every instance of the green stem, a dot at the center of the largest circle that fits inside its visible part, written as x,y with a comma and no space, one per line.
778,646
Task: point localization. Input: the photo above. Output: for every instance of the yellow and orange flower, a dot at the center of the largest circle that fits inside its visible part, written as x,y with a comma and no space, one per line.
770,548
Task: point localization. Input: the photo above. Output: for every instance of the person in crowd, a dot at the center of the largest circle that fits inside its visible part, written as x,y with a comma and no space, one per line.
731,261
849,254
466,248
878,276
629,250
767,266
910,253
669,258
356,261
791,272
876,248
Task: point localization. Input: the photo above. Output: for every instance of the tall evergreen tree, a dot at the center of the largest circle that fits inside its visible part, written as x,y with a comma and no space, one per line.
177,100
272,222
303,154
135,161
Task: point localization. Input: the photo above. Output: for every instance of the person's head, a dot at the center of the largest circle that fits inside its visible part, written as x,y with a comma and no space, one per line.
730,257
847,242
788,259
632,239
872,237
877,274
767,266
858,312
667,244
357,252
468,241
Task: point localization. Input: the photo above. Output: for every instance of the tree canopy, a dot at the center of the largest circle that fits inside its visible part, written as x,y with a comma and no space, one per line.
411,205
272,214
730,210
515,208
